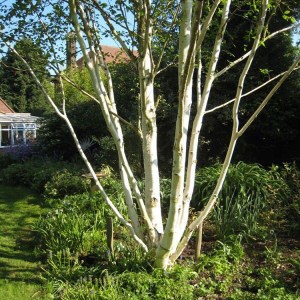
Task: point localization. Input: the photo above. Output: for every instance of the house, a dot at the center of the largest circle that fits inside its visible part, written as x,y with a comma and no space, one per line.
111,54
16,128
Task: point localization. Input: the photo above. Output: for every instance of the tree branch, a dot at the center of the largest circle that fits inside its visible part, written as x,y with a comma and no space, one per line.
162,52
240,59
269,96
248,93
113,31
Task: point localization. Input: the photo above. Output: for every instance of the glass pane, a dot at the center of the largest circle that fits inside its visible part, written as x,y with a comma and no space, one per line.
5,138
30,126
29,136
18,137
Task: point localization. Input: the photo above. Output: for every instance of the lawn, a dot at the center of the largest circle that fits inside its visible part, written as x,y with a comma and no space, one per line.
19,268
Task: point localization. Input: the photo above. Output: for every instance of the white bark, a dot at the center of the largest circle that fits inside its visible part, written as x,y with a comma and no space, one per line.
179,206
197,124
149,133
234,137
167,243
113,125
148,121
145,224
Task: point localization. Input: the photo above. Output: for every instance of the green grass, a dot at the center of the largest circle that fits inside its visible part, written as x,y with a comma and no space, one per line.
19,268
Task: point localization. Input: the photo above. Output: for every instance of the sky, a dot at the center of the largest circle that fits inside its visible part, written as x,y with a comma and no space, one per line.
108,40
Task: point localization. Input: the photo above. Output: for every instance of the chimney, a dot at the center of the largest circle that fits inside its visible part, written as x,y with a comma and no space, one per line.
71,50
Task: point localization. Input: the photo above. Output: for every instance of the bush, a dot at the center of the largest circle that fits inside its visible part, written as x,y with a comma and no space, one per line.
16,174
291,202
63,178
64,183
247,190
5,160
19,152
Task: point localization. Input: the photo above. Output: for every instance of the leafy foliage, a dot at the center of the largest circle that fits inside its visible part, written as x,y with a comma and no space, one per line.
246,193
17,86
64,183
54,138
36,173
67,227
73,237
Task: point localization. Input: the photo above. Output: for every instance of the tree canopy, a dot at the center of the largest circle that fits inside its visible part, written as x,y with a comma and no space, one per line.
16,84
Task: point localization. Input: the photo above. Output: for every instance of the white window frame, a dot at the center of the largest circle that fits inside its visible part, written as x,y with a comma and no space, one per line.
15,128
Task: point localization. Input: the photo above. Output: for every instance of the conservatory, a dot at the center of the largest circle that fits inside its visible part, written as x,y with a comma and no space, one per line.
17,129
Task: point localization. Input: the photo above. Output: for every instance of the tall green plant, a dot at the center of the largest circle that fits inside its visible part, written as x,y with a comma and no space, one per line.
246,192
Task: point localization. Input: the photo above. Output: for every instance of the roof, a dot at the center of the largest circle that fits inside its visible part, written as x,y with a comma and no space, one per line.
4,107
111,54
17,118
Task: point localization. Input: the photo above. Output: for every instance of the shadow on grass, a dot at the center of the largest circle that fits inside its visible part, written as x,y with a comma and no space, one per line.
19,274
18,255
18,208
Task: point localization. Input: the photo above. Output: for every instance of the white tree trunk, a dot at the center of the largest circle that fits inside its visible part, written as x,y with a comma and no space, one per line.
148,119
234,137
168,242
197,123
149,133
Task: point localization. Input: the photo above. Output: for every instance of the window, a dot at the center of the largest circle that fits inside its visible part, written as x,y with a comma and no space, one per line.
5,135
17,134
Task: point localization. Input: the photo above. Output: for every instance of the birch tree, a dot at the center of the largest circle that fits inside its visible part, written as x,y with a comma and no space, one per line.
136,25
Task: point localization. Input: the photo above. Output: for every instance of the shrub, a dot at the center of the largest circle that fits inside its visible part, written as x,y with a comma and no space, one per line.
14,175
63,183
246,192
61,178
291,201
5,160
19,152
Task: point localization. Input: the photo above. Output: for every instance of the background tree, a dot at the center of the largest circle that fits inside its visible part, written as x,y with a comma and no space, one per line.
267,141
17,86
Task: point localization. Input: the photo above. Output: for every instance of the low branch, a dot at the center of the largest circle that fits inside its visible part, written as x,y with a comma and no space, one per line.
136,130
81,90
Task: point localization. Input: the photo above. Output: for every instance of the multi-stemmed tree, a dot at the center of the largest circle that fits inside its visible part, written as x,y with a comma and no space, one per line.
191,34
